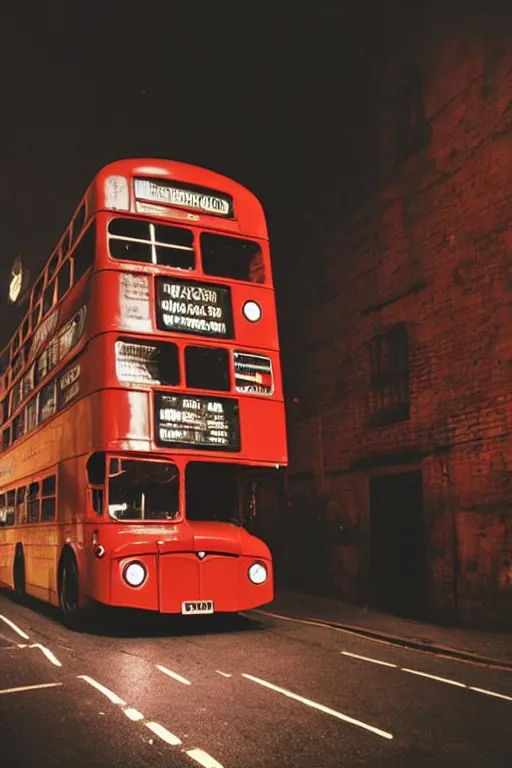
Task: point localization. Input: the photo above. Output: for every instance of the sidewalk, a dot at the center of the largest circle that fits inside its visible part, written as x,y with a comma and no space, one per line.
465,644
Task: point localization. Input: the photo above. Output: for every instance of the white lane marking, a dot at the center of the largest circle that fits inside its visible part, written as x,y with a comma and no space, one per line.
224,674
434,677
22,645
203,758
447,680
49,655
174,675
163,733
29,688
366,658
12,625
133,714
490,693
320,707
354,631
114,698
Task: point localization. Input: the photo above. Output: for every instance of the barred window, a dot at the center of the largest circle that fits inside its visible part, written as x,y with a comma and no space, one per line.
389,382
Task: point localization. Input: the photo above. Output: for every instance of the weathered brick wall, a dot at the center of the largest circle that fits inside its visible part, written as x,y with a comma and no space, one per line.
432,247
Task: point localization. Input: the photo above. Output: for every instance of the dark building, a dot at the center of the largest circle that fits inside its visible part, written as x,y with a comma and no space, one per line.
398,339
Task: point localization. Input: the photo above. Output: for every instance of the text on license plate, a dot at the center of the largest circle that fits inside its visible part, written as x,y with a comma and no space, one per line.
197,606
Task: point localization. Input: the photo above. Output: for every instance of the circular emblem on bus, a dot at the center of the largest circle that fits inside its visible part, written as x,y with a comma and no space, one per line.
201,555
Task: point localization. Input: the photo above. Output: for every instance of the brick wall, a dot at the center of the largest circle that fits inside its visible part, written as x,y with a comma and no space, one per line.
431,247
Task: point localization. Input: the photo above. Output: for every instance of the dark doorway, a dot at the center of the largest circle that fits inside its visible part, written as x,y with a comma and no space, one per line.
397,554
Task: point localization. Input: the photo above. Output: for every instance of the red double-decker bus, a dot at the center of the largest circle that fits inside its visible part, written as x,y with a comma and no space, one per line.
142,401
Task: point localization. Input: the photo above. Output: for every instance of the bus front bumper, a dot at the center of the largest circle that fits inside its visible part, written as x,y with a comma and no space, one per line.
191,582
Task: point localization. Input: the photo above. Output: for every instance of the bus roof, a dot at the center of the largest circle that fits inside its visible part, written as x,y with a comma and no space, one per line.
248,211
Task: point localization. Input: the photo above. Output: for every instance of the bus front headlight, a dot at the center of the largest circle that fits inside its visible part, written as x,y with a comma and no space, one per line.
135,574
257,573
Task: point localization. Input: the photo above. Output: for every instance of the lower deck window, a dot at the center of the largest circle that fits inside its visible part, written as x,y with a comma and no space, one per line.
143,490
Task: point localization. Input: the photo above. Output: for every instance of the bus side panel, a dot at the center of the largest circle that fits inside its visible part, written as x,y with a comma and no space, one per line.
98,569
7,550
72,506
41,547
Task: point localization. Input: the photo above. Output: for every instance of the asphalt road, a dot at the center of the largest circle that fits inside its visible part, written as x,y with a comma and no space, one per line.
257,691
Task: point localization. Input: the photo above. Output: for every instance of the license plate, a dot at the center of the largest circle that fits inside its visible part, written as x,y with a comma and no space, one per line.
197,606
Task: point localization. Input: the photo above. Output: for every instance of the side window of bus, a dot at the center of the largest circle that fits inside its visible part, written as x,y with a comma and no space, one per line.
36,314
49,295
25,328
10,508
78,224
41,367
3,511
18,426
5,409
38,290
17,363
33,503
83,255
48,504
21,506
47,401
6,438
32,414
16,396
65,243
64,279
53,353
52,266
27,383
232,257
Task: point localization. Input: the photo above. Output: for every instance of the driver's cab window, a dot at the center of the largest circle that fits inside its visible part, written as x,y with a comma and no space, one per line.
143,490
212,492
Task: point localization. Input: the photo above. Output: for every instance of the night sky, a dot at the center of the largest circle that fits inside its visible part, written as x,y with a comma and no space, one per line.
274,97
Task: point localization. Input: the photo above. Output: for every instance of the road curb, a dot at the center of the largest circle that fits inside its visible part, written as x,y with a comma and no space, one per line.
436,650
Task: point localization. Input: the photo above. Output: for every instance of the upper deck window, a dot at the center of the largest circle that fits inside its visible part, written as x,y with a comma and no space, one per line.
38,290
78,224
66,242
232,257
147,243
52,266
83,255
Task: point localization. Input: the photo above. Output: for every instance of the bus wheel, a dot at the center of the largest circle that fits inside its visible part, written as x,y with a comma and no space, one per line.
19,575
69,593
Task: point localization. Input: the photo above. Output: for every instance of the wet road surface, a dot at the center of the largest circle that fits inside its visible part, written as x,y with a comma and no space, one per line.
248,692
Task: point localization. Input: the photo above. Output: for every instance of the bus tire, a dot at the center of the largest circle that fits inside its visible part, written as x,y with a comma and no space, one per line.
73,615
19,575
